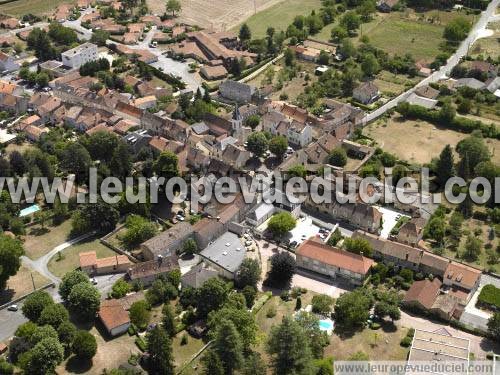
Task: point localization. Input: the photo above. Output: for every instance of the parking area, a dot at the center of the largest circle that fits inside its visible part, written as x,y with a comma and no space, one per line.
304,229
390,218
319,284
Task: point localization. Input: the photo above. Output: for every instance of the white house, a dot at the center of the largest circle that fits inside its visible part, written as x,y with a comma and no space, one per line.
76,57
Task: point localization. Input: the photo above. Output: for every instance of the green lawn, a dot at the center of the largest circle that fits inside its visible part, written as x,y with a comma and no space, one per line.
404,32
279,16
38,7
37,244
69,257
184,353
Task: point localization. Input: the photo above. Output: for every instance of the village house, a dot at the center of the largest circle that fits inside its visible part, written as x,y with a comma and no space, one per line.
34,133
114,317
167,242
90,264
197,276
76,57
298,133
306,53
332,262
386,6
366,93
235,91
213,72
411,232
149,271
225,255
9,23
7,63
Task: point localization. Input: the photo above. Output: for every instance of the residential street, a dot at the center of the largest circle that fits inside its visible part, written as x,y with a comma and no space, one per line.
477,32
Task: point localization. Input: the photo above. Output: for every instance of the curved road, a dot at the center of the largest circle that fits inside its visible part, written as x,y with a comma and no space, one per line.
476,33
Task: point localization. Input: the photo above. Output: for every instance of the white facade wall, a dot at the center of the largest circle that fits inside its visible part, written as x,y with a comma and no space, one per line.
76,57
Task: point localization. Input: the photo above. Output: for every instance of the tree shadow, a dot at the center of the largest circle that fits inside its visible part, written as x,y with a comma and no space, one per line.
39,231
6,295
388,326
77,365
348,332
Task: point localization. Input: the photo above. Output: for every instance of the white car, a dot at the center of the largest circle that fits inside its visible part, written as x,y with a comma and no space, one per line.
179,217
13,308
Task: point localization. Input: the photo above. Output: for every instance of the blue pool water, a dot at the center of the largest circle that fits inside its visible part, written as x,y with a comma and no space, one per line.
29,210
325,325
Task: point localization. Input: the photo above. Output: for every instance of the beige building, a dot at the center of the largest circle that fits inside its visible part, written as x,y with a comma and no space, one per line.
329,261
90,264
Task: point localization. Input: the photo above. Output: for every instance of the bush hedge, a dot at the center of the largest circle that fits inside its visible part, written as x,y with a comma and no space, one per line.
489,297
457,123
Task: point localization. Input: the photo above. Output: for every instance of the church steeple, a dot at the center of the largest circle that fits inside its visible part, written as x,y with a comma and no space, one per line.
237,119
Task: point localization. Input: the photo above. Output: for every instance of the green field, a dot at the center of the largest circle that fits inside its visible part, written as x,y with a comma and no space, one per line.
279,16
38,7
404,32
70,259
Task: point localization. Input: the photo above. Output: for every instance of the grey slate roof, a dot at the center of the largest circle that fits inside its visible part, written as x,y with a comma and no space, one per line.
197,276
228,252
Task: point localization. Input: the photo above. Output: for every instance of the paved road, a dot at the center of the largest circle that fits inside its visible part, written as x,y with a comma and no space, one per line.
477,32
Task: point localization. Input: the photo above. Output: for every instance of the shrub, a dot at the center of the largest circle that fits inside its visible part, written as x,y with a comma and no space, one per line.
184,339
141,344
411,332
406,341
271,312
375,326
490,296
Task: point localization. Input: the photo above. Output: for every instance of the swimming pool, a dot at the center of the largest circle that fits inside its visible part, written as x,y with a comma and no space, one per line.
29,210
326,325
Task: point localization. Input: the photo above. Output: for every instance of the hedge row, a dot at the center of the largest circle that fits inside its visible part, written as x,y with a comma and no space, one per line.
490,296
461,124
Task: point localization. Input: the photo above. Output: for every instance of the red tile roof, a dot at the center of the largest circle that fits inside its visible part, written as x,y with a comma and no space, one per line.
424,292
335,257
112,314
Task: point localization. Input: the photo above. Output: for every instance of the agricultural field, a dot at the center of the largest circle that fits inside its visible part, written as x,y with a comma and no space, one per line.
419,34
279,16
219,16
391,85
68,259
426,140
291,88
481,230
38,7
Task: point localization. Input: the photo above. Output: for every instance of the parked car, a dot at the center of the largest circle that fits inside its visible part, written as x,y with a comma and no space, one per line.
13,308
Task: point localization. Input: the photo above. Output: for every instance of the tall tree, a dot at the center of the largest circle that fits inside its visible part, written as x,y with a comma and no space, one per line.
445,168
69,280
245,33
173,6
211,363
168,319
248,273
494,326
84,345
166,165
84,300
289,349
228,346
160,352
35,303
10,258
352,309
